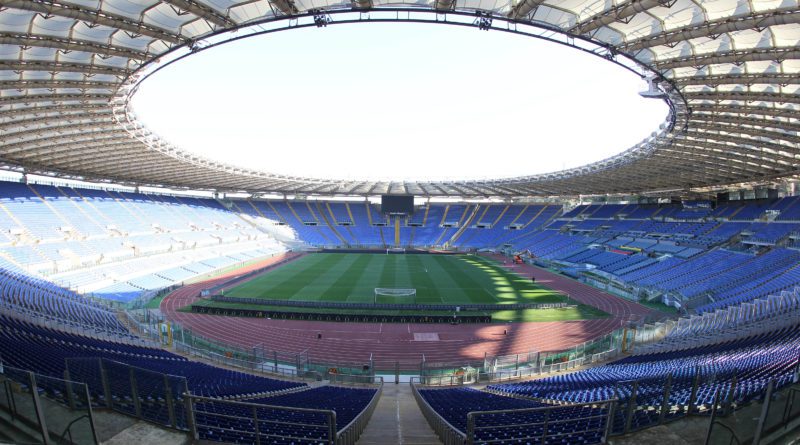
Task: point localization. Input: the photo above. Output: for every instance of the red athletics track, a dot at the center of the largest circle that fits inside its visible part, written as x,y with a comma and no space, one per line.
389,342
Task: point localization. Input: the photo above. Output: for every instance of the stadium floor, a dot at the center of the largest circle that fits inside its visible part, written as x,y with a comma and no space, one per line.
436,279
353,343
353,277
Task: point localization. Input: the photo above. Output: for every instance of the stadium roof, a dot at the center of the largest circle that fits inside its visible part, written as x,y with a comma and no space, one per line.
729,70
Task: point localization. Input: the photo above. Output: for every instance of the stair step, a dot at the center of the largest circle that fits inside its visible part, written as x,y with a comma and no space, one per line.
398,419
16,432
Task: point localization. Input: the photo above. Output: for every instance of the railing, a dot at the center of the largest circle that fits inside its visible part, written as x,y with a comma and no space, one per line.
385,306
509,367
72,327
231,421
51,409
640,404
257,359
299,365
660,399
746,319
586,423
786,303
516,374
591,420
450,379
67,434
777,414
160,399
137,392
229,360
354,379
352,431
448,434
448,374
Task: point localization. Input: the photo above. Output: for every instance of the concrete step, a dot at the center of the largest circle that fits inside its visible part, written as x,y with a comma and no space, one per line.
398,420
143,432
17,431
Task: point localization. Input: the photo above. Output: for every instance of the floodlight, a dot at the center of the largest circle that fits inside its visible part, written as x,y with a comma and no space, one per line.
653,92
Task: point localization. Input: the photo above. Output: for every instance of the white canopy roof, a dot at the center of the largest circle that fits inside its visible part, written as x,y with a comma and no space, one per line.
730,68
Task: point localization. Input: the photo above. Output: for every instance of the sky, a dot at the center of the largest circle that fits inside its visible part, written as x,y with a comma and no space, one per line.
398,101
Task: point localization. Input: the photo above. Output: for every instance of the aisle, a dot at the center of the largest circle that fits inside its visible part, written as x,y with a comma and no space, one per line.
398,420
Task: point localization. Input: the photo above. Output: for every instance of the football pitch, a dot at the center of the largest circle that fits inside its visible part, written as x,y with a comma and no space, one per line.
436,279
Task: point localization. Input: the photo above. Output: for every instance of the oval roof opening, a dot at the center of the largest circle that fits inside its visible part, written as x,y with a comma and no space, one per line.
398,102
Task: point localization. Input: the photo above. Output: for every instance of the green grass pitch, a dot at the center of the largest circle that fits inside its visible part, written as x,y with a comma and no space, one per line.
448,279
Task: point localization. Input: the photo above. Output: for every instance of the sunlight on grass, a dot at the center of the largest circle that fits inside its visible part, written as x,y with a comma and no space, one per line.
438,279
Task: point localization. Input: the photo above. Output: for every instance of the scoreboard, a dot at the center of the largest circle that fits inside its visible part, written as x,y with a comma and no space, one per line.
397,204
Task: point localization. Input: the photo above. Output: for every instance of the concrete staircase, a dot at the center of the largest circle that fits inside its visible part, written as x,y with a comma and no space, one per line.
398,420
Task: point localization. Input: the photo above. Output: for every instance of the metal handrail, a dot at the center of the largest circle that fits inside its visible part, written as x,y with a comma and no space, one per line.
70,326
375,379
68,429
427,410
329,414
541,408
609,404
787,409
33,382
730,430
350,433
236,362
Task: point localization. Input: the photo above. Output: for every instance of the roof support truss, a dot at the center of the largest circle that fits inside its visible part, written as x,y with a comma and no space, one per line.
93,16
67,45
779,16
735,57
204,12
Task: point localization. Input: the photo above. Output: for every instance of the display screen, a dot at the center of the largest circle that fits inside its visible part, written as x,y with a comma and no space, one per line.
397,204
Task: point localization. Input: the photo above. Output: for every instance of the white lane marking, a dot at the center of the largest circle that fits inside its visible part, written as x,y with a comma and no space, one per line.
399,428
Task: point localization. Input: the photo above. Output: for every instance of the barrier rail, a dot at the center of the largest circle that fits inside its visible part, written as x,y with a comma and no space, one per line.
298,365
778,414
72,327
55,409
448,434
257,359
264,367
745,319
386,306
141,393
351,316
352,431
158,398
230,421
759,310
577,423
508,367
593,419
234,421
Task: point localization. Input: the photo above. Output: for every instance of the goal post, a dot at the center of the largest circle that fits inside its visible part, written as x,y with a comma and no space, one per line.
395,295
398,250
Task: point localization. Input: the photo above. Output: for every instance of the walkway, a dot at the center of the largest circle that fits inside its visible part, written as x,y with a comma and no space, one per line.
398,420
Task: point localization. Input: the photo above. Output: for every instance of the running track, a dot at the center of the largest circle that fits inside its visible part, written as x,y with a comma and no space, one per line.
390,342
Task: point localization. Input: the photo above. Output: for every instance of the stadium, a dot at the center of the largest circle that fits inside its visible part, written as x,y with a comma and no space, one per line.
149,294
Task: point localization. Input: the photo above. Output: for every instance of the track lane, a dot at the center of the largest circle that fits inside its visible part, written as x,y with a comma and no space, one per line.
356,342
